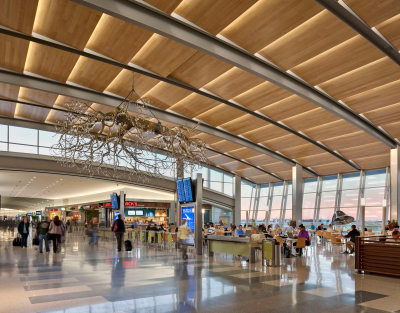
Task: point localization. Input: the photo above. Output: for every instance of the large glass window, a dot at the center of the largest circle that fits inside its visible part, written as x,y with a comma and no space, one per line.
351,181
328,199
215,180
228,185
325,216
48,139
329,183
309,201
21,135
349,198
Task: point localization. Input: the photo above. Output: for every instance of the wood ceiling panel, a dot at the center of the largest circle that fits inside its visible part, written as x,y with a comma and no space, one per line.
235,166
220,159
117,39
244,124
286,175
244,153
62,100
261,160
320,33
66,22
375,74
375,98
329,130
209,139
390,30
333,168
122,84
7,108
207,13
358,152
50,62
277,167
194,105
374,12
264,179
288,107
253,31
100,108
348,56
280,143
225,146
262,96
301,151
13,53
37,96
200,69
387,115
162,55
10,92
166,6
211,154
18,14
393,129
249,172
310,119
54,117
93,74
265,133
232,83
378,161
220,115
351,140
164,95
31,113
34,113
318,159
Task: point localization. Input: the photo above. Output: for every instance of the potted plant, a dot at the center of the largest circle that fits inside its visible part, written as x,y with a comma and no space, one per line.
393,224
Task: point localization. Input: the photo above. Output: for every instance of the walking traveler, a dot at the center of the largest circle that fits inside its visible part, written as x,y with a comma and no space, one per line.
56,230
23,229
41,231
119,229
183,236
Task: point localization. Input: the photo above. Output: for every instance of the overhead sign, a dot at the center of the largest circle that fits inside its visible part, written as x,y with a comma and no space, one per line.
29,214
38,212
130,203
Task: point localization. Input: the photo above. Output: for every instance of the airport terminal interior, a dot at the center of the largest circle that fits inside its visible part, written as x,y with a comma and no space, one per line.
199,155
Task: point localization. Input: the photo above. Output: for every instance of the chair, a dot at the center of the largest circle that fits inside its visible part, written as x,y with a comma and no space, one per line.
369,230
279,239
320,233
328,236
301,243
336,241
288,231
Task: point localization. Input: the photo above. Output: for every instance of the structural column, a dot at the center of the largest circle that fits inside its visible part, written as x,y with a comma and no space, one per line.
394,183
199,216
179,175
122,204
238,200
297,185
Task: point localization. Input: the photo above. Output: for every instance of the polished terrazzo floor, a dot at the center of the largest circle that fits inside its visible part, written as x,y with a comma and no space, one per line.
96,278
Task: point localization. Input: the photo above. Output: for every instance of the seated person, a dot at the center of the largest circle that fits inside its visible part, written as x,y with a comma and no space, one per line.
396,234
352,234
312,226
262,228
211,224
320,227
256,237
302,234
240,231
233,227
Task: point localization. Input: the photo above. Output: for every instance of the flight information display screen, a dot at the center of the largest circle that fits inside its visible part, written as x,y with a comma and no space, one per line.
180,190
187,187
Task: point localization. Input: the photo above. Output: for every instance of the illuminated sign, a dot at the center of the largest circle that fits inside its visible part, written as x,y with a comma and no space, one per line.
130,203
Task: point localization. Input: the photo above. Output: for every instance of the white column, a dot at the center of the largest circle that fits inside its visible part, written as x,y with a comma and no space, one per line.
122,204
394,183
238,200
198,216
297,188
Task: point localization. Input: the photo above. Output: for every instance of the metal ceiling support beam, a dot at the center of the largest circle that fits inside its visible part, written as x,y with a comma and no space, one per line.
350,18
97,97
170,27
177,83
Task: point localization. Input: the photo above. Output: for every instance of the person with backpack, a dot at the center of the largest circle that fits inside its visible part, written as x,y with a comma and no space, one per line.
56,230
119,229
23,229
41,231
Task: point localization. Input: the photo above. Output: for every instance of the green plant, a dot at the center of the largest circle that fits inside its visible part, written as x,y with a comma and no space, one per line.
91,213
35,217
393,224
292,223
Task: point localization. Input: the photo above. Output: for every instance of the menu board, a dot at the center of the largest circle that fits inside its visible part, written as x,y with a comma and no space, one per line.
188,214
131,213
180,190
139,212
187,187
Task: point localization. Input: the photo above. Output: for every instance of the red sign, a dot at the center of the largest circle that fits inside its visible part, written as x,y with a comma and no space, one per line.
108,205
53,210
130,203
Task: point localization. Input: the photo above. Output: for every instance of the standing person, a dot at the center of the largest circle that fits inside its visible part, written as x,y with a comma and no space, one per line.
135,224
56,230
352,234
183,235
23,229
119,229
41,231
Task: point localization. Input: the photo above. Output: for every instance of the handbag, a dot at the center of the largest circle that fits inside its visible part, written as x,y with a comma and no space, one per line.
35,241
115,227
49,236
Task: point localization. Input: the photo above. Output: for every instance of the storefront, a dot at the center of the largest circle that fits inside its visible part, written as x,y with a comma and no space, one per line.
51,213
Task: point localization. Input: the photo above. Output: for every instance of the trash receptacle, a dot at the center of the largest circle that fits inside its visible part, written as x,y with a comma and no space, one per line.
277,260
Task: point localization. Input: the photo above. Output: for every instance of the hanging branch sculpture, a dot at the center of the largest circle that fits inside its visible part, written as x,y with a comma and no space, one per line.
106,143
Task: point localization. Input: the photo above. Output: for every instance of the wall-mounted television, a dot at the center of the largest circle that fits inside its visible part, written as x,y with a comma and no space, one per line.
139,213
131,213
114,200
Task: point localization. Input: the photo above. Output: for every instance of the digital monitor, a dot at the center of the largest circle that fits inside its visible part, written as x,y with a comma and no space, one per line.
188,214
180,190
114,201
131,213
187,187
139,212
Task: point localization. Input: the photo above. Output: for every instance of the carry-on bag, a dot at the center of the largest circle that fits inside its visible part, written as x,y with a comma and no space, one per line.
128,245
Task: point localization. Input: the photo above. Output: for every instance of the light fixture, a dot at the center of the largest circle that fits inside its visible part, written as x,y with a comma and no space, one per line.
104,143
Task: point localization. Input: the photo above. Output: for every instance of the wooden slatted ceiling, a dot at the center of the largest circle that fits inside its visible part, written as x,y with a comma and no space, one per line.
117,39
393,129
390,30
286,175
265,133
310,119
219,159
164,95
372,75
249,172
207,13
66,22
200,69
253,31
358,152
244,153
194,105
209,139
34,113
277,167
232,83
13,53
166,6
345,57
54,63
264,179
280,143
317,159
374,12
37,96
93,74
374,162
261,160
351,140
333,168
244,124
18,14
225,146
301,151
10,92
329,130
236,166
318,34
220,115
162,55
387,115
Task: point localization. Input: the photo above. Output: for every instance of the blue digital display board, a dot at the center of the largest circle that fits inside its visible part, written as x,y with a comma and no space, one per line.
187,187
180,190
116,215
188,214
114,201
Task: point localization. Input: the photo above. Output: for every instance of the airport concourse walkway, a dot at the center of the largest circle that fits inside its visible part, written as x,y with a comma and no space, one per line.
95,278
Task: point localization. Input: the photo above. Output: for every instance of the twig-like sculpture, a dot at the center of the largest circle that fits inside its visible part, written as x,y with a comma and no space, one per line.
106,143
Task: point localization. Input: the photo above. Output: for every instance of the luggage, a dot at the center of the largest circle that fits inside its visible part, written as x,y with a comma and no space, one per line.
17,241
128,245
35,241
287,252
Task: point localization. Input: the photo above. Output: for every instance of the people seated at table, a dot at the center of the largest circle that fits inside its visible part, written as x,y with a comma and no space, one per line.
276,226
302,234
320,227
396,234
233,227
240,231
312,226
262,228
352,235
211,224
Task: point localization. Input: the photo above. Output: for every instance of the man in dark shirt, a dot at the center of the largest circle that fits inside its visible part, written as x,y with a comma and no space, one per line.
320,227
352,235
41,231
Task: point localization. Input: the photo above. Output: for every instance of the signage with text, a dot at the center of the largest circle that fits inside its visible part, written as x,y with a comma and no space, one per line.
38,212
188,214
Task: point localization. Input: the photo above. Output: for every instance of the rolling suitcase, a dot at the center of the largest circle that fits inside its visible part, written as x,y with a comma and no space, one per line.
128,245
35,241
17,241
